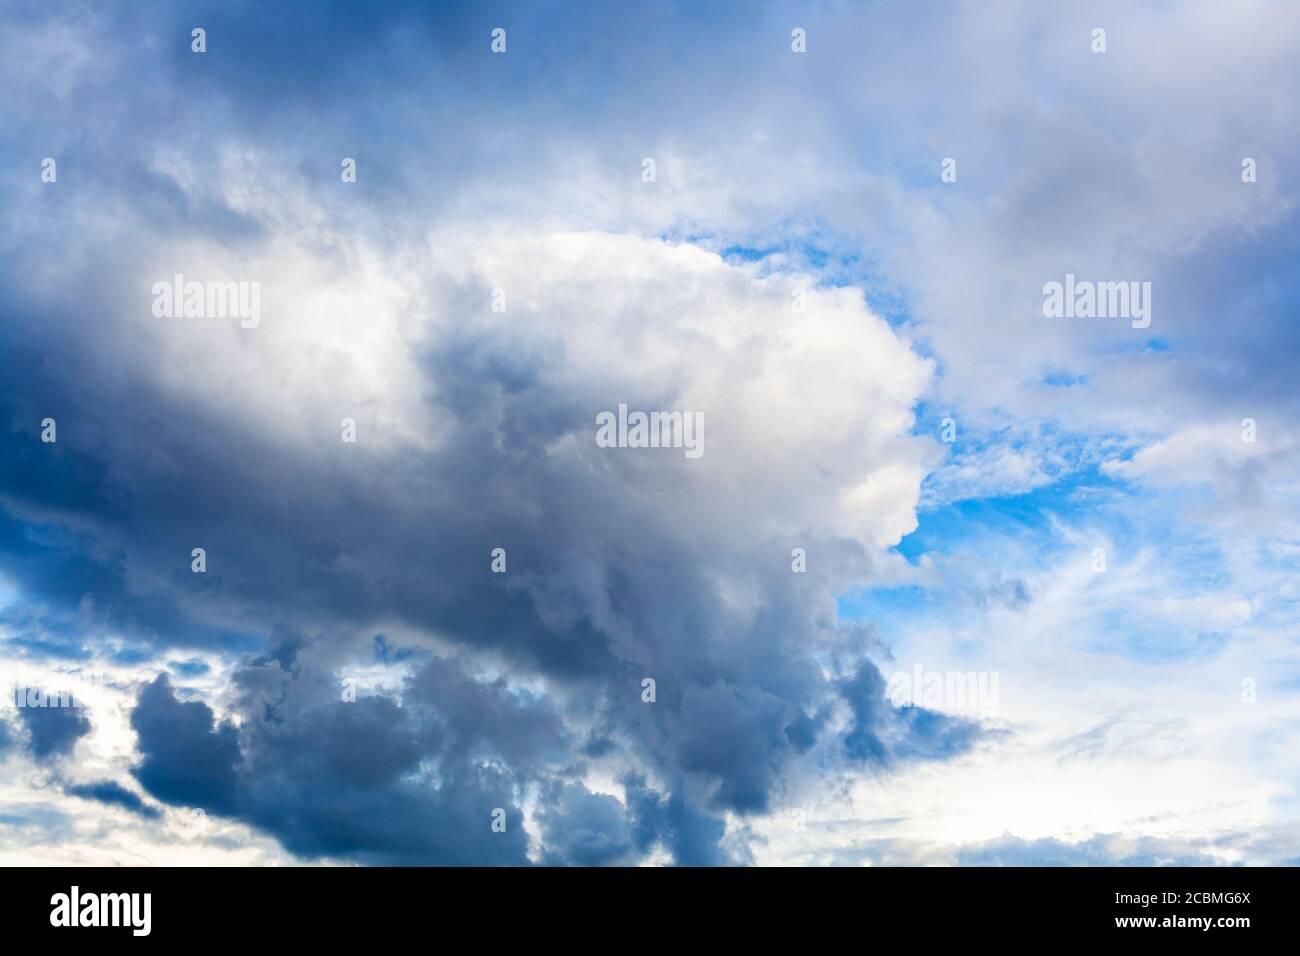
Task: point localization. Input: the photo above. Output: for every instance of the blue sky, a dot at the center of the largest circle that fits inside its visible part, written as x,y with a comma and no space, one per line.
1094,523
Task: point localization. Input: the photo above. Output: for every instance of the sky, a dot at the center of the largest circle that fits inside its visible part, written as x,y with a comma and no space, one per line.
343,574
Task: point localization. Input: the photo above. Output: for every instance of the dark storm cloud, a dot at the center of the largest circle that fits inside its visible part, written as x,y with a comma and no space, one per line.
880,733
53,730
377,782
415,780
586,829
367,779
691,836
187,758
64,578
114,794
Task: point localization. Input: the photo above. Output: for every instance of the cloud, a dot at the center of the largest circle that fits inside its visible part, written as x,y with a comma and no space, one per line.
414,778
623,563
1100,850
691,837
522,691
881,734
1189,455
114,794
53,730
586,829
187,758
370,779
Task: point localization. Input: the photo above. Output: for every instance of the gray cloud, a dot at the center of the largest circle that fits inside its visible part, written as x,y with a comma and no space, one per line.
53,731
114,794
187,758
1100,850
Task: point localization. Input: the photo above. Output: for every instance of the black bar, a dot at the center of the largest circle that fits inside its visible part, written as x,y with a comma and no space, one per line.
676,907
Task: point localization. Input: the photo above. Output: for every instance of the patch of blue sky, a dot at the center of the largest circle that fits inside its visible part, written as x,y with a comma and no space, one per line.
386,652
44,645
1064,379
1027,517
902,602
804,247
1023,534
1014,460
1159,345
833,262
191,668
1130,633
130,656
1129,515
